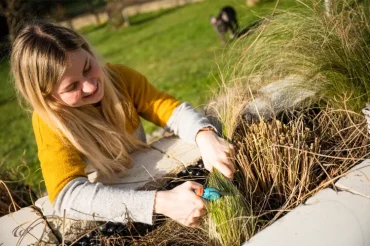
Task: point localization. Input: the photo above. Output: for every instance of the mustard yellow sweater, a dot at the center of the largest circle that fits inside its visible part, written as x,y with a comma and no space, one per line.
61,163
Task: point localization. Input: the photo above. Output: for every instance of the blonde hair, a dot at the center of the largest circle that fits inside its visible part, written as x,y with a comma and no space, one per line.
38,61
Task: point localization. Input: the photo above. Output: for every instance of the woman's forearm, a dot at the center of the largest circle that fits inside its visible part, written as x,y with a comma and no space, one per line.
89,201
185,122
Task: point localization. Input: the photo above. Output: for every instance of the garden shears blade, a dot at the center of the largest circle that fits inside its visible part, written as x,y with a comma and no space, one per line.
210,194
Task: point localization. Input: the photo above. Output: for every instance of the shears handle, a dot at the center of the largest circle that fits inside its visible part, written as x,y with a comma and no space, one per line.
210,194
199,191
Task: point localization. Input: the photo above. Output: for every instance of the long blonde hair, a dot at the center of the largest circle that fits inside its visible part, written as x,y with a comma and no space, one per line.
38,62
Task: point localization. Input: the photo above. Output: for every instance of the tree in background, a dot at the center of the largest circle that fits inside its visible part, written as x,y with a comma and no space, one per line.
16,11
59,14
92,10
115,10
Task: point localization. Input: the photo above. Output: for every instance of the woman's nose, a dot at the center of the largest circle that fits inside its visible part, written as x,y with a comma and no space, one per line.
88,86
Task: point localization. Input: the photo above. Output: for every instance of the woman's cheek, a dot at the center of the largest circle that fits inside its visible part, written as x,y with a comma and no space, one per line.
72,99
96,70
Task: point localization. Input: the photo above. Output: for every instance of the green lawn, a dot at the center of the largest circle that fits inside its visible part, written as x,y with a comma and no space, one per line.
176,49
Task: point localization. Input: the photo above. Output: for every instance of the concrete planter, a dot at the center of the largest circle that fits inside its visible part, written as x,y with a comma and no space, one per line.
340,218
330,217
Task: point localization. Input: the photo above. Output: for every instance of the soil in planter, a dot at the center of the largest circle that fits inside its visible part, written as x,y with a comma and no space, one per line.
196,173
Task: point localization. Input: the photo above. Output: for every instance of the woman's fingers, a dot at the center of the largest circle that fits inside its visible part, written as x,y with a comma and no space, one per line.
216,152
192,185
181,204
193,220
225,167
231,151
199,212
194,224
222,163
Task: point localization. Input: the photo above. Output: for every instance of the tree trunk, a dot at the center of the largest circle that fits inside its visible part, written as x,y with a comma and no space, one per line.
116,12
91,8
14,12
125,17
114,9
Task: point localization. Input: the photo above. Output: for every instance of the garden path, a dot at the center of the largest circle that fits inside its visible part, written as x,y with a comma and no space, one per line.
90,19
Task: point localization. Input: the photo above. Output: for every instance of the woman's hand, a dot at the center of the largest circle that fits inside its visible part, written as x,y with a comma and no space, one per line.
181,204
216,152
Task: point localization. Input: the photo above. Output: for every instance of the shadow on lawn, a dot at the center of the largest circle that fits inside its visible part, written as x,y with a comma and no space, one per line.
250,28
146,18
7,100
134,20
92,28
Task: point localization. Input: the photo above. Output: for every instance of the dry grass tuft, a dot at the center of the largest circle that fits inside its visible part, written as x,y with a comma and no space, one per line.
288,149
281,162
328,56
173,233
14,193
285,163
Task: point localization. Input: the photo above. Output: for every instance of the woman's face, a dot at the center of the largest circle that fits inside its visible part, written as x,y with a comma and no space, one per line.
80,84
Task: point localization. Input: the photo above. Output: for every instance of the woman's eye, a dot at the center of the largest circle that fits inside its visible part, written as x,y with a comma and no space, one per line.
72,87
87,70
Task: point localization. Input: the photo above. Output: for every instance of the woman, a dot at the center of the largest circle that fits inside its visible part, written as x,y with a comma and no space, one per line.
84,111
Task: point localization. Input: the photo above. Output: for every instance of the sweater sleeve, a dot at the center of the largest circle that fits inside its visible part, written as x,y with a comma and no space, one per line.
69,189
161,108
60,162
152,104
186,122
95,201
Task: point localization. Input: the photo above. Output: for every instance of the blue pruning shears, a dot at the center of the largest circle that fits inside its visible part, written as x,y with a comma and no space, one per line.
210,194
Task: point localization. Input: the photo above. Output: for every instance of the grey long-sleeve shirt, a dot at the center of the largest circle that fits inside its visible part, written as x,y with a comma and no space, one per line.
82,199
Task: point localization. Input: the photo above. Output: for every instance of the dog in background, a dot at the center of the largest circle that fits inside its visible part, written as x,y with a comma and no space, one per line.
225,21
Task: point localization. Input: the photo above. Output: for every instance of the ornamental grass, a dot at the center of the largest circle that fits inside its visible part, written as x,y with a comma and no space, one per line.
281,162
230,219
327,55
290,97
